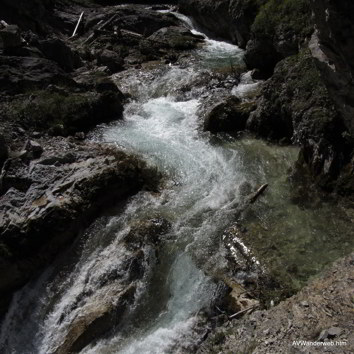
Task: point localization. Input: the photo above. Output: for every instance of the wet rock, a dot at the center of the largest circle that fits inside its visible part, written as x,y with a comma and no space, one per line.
228,116
116,287
80,136
102,312
48,200
148,231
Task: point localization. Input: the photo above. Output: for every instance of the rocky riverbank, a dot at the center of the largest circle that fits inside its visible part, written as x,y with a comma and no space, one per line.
321,313
54,90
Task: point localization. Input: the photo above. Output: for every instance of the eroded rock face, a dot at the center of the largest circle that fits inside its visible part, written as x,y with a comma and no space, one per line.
319,312
46,200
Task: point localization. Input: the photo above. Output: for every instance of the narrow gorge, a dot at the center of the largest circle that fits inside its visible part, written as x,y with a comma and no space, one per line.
176,177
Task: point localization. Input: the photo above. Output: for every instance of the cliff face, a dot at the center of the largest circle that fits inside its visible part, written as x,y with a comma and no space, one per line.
333,47
306,50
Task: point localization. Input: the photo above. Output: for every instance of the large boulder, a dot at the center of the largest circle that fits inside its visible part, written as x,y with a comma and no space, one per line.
228,116
174,37
47,200
297,106
261,55
65,110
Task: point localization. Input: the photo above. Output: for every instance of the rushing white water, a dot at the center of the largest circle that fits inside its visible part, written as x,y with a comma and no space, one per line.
198,200
247,86
200,194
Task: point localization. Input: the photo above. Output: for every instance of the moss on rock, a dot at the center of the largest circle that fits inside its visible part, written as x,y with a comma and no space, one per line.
62,113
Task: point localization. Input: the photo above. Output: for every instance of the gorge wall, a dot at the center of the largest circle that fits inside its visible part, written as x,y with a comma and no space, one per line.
305,50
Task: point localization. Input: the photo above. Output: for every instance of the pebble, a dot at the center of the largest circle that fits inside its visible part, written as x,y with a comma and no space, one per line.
334,332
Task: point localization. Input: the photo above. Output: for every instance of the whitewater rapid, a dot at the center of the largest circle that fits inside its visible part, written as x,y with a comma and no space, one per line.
201,190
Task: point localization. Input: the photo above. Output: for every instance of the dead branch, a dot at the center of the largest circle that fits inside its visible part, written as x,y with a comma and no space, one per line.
77,25
242,311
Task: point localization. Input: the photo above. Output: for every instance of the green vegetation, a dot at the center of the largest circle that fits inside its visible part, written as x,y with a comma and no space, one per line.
285,15
55,110
63,113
